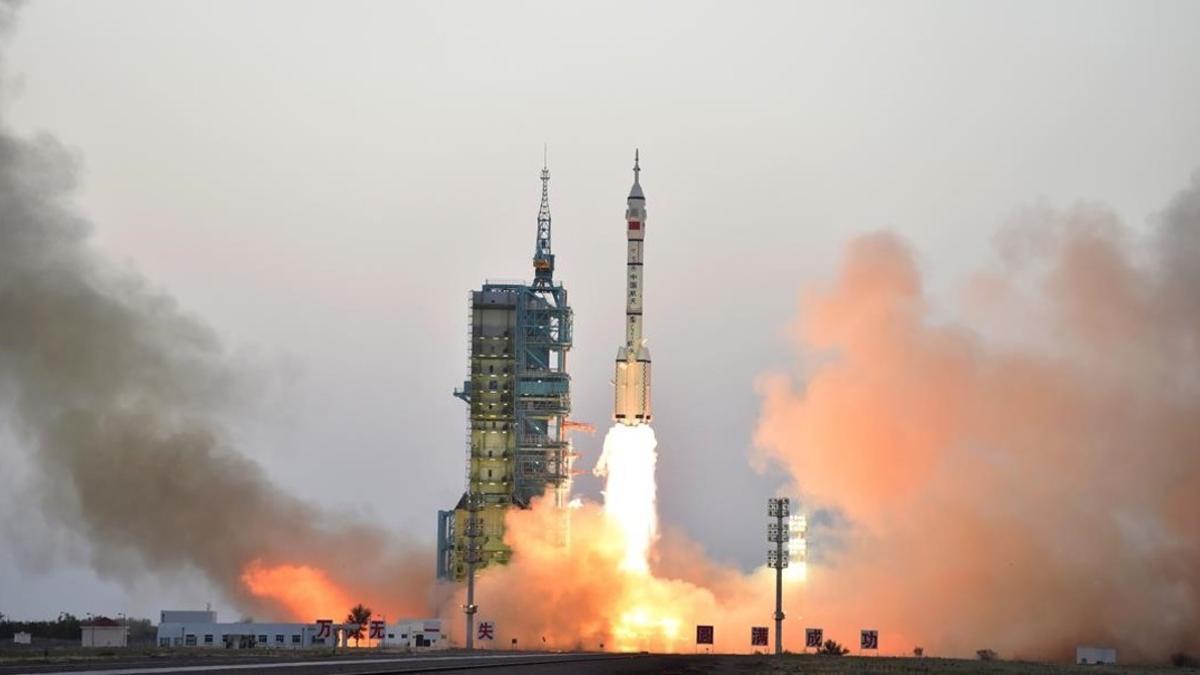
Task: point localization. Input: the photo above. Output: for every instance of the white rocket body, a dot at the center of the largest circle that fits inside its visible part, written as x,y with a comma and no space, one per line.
632,405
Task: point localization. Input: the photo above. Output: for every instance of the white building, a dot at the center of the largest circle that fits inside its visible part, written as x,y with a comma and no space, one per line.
22,638
246,635
102,632
200,629
416,634
1095,656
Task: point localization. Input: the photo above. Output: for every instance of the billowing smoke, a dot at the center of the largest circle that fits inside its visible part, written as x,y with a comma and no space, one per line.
120,397
1024,478
586,596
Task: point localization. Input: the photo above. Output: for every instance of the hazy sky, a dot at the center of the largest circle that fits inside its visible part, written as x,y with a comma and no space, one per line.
323,183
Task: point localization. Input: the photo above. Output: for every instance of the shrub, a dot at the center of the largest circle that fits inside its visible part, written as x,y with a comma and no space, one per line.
1181,660
986,655
832,648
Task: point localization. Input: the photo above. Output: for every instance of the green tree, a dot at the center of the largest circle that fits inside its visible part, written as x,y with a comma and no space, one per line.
66,627
141,631
359,616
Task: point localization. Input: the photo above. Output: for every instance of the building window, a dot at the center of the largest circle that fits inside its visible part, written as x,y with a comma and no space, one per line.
208,639
391,636
164,642
190,641
295,639
262,639
278,639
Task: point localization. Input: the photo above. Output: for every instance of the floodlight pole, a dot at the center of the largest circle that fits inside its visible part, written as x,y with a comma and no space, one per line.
473,533
779,595
778,508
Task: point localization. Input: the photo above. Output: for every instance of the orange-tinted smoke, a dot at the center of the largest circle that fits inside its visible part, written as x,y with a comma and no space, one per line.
580,597
1024,477
305,592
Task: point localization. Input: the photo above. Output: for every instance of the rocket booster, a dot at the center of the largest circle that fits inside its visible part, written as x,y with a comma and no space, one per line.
632,406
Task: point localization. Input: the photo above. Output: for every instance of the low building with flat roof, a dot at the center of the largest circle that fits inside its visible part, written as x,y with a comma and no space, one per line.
103,632
404,634
1095,656
247,635
416,634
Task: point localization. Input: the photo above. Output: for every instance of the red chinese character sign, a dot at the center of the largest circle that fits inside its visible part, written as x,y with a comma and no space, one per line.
376,631
758,636
813,637
486,631
324,628
870,639
704,635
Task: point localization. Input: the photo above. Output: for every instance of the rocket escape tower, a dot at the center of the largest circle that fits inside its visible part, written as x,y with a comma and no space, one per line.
519,395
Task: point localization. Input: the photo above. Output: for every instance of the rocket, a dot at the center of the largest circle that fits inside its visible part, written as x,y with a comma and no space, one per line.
632,405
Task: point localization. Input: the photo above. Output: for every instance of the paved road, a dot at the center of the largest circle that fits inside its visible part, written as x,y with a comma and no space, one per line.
577,664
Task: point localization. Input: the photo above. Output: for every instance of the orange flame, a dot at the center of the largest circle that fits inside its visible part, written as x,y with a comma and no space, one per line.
307,593
627,464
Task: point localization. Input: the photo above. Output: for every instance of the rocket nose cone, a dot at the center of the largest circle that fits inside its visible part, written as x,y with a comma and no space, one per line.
635,192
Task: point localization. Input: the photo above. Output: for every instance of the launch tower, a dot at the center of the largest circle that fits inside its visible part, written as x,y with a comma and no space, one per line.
519,395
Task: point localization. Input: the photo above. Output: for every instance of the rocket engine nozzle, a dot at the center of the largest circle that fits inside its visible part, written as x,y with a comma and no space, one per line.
632,382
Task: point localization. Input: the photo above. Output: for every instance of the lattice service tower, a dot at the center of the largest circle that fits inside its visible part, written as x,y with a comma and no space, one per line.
519,395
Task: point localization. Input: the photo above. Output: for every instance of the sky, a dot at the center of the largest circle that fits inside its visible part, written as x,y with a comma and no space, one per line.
322,183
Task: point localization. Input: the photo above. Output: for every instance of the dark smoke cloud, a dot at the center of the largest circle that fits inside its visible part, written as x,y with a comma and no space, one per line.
1026,478
119,395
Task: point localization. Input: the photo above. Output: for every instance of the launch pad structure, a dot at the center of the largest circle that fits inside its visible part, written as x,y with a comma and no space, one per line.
518,392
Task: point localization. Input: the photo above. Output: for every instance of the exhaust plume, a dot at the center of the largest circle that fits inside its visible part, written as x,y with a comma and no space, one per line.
583,596
1026,478
119,396
627,463
618,585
